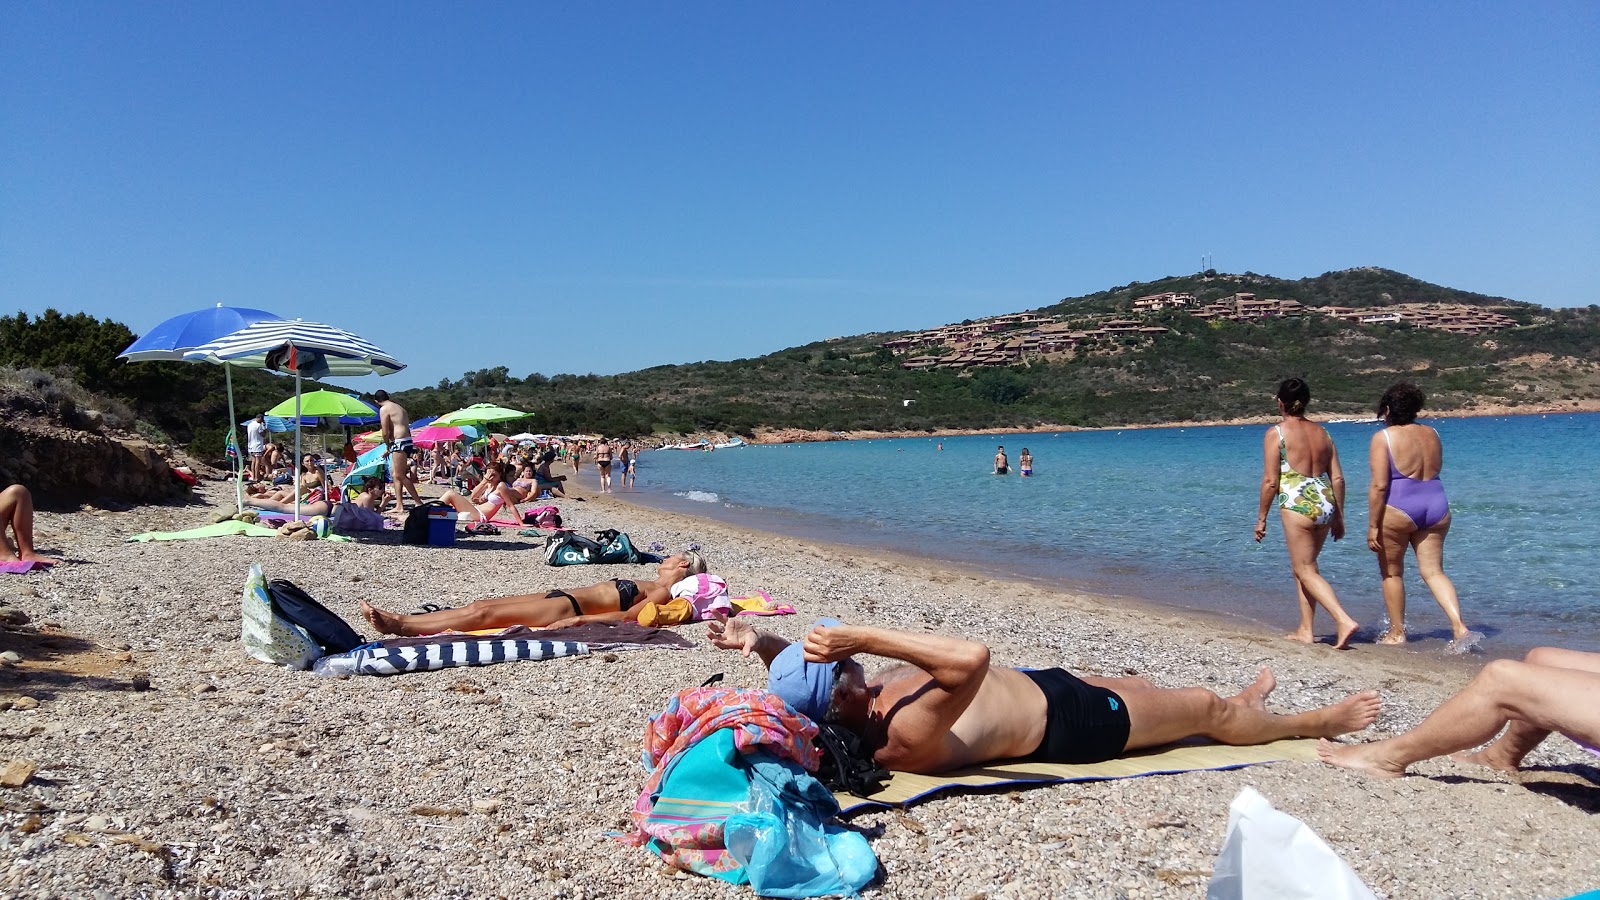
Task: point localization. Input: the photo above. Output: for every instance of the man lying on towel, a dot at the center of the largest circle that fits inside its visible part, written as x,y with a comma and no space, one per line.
612,600
945,708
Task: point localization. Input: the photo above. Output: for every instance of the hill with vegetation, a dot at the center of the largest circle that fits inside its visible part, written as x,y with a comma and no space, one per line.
1198,370
1191,369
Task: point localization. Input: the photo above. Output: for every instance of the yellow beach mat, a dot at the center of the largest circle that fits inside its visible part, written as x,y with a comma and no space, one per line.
904,788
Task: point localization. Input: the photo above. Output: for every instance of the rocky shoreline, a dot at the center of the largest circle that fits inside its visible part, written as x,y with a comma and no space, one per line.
168,763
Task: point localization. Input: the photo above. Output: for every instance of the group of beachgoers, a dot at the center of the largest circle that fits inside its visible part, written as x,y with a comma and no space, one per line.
1002,465
944,707
1407,508
486,478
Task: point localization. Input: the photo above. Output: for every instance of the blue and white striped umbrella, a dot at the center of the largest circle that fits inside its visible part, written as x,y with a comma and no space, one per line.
345,353
313,348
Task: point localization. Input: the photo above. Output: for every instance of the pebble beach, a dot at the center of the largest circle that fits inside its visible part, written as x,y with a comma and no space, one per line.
166,762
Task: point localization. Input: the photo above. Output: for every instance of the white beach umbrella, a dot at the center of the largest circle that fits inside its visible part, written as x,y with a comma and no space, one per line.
300,347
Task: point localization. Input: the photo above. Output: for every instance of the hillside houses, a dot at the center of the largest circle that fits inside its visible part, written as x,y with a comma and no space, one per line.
1037,342
1012,339
1243,307
1456,319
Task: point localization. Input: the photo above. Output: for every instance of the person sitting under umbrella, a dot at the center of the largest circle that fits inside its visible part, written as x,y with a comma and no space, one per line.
614,600
485,501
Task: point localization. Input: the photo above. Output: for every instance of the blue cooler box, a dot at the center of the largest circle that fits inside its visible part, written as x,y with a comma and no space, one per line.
441,527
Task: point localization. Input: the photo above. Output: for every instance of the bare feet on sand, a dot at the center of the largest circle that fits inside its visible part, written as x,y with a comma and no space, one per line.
1303,637
1255,696
385,622
1393,637
1486,757
1353,713
36,558
1366,758
1347,630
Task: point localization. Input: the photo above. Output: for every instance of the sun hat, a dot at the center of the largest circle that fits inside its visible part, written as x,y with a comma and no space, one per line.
806,686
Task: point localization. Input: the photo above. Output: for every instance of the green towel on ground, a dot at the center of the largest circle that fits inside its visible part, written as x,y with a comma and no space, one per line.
221,529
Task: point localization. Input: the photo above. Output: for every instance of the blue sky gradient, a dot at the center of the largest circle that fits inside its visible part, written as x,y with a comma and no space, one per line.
604,187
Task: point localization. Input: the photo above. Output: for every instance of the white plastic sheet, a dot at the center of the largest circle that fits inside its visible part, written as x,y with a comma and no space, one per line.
1271,855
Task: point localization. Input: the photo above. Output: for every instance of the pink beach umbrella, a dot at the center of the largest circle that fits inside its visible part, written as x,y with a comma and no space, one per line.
434,434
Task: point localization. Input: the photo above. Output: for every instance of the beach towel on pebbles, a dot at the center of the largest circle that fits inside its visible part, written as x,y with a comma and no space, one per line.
380,659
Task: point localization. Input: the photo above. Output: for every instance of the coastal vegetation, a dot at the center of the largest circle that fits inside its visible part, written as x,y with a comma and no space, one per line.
1191,369
1196,370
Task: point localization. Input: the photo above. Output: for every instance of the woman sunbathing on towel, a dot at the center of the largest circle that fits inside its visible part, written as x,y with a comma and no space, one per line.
615,600
484,503
310,477
314,503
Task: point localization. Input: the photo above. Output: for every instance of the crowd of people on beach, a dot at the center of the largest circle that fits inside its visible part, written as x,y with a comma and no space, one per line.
484,477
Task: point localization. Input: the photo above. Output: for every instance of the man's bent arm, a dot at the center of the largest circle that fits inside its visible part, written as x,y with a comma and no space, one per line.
954,663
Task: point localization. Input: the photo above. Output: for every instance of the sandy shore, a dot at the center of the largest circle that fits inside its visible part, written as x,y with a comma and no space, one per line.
227,777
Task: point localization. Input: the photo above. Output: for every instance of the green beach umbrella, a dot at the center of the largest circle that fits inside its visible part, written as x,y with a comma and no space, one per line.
479,412
323,403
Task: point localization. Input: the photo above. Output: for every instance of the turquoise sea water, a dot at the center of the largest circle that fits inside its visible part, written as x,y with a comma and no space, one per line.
1166,515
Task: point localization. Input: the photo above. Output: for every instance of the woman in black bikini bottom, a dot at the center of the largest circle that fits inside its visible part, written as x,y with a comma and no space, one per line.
615,600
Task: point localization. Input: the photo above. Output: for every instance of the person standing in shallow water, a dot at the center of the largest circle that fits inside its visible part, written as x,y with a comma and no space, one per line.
1025,462
1409,511
1001,465
1300,468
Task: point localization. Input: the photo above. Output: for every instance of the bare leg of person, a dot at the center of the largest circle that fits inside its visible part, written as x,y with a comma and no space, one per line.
1306,632
1541,697
1519,739
462,505
1429,546
1396,537
1305,541
16,513
535,610
1163,716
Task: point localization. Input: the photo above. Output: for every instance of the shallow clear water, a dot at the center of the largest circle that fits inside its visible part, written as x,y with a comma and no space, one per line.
1166,514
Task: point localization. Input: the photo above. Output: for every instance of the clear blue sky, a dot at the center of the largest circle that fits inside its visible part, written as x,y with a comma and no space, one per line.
602,187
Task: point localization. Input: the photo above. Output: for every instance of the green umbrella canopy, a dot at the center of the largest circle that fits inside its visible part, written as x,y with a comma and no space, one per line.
478,412
323,403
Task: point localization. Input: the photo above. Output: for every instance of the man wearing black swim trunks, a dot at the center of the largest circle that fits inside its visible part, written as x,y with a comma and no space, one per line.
946,708
396,427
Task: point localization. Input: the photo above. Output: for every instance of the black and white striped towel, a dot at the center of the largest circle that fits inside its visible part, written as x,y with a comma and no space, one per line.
376,659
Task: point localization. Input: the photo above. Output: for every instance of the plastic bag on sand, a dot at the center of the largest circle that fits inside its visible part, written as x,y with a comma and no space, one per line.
1270,855
265,634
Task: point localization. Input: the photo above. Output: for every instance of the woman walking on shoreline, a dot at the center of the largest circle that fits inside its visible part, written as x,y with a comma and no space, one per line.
1309,505
1409,510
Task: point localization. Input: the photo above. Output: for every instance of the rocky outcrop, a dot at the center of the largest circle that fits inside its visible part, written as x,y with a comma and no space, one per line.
64,467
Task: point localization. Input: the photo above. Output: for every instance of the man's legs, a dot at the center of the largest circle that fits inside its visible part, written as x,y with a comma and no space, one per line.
16,513
1160,716
1535,697
400,474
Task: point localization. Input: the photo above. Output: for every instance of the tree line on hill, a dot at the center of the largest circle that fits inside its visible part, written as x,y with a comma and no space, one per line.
1198,370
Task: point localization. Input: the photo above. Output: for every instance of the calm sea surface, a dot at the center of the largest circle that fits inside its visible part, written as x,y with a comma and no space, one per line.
1166,515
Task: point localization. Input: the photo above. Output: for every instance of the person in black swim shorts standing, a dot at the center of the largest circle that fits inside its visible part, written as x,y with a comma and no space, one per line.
945,708
612,600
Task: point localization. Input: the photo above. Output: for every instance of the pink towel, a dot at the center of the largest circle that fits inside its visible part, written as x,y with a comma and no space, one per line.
18,566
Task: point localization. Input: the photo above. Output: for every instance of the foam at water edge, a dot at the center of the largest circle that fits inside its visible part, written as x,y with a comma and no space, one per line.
1466,644
697,496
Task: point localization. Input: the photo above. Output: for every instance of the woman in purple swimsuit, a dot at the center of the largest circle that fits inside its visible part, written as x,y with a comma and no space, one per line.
1407,507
